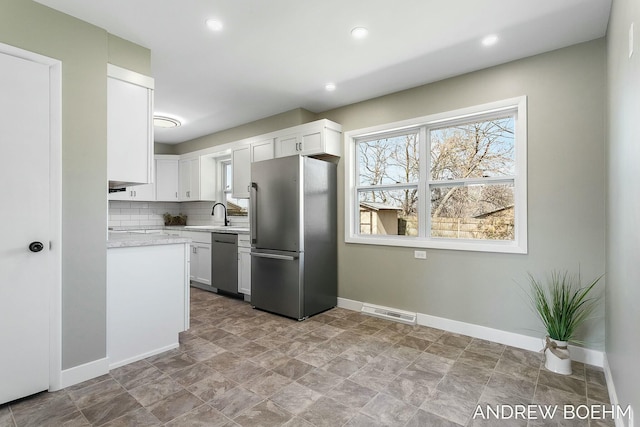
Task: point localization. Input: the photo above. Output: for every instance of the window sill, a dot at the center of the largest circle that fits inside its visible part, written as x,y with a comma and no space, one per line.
448,244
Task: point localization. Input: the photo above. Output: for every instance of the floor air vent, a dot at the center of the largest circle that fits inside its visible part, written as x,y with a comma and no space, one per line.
389,313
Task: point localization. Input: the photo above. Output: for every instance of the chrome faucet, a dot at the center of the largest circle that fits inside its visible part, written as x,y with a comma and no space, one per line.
226,221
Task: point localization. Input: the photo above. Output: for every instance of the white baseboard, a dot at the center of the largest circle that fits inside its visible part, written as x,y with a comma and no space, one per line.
613,396
579,354
143,356
87,371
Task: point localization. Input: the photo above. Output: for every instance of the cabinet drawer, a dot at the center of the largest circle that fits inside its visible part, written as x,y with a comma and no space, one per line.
198,236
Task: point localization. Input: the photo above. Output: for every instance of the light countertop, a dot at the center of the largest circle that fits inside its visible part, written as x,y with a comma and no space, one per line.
124,240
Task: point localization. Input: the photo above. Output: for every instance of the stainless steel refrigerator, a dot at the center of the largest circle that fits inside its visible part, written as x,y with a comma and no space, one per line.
293,236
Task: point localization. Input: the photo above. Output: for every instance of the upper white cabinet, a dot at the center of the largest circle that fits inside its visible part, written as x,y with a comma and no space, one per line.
319,138
241,159
129,127
167,178
164,188
142,193
197,179
262,150
241,171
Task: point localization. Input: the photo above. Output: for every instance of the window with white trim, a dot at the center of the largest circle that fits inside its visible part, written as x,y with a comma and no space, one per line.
235,207
455,180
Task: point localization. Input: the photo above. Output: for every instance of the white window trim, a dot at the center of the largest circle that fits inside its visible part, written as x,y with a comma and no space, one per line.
518,246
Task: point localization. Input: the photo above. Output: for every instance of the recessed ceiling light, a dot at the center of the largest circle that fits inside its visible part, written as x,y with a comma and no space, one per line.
359,32
330,87
490,40
165,122
214,24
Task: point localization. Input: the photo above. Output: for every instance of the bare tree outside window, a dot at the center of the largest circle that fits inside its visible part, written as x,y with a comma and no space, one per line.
470,182
389,168
473,156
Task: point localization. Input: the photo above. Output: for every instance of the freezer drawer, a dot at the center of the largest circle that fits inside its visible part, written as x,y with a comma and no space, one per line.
276,282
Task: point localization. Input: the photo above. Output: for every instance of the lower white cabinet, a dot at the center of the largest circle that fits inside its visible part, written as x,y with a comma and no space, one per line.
200,270
201,263
244,264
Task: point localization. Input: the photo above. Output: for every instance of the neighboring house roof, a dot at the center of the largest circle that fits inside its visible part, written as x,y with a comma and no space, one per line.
379,206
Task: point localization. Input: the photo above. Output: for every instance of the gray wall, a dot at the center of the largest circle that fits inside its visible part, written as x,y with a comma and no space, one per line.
623,204
566,194
566,218
84,52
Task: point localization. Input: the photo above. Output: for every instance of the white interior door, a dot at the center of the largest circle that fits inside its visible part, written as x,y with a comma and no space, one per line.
25,275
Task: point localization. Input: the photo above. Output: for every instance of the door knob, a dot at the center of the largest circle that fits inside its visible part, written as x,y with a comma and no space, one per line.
36,246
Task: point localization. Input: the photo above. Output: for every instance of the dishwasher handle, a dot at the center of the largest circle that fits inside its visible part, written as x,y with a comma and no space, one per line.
222,241
274,256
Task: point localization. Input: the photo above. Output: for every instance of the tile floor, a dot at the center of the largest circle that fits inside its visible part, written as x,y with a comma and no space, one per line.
242,367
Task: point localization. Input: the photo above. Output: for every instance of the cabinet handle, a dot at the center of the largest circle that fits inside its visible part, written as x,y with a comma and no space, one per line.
176,194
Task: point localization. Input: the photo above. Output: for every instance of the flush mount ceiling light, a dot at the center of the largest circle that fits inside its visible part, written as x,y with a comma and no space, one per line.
359,32
330,87
214,24
490,40
165,122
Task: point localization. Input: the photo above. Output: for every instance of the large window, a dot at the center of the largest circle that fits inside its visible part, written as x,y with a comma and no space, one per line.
453,181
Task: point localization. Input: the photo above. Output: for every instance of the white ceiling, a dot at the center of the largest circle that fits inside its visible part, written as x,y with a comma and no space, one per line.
277,55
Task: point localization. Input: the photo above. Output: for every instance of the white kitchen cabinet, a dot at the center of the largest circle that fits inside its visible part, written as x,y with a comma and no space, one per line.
140,193
167,178
241,159
319,138
244,264
129,128
200,269
241,171
197,179
262,150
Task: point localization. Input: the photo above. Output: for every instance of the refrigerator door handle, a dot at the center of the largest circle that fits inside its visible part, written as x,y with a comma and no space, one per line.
274,256
254,212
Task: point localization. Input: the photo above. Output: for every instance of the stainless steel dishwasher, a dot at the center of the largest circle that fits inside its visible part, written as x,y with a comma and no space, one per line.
224,262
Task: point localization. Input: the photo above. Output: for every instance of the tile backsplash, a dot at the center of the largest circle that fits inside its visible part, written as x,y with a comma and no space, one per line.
149,214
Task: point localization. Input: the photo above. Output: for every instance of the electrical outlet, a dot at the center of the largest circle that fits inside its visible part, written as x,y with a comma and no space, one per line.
420,254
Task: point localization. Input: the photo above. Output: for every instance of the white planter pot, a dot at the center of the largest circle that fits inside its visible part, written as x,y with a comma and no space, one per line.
557,357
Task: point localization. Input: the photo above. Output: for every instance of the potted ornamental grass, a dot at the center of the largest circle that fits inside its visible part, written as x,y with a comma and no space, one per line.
562,305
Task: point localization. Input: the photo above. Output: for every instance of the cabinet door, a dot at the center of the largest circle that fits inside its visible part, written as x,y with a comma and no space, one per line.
143,193
244,271
194,178
129,132
202,273
135,192
262,150
185,179
241,169
167,180
200,265
311,143
287,145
